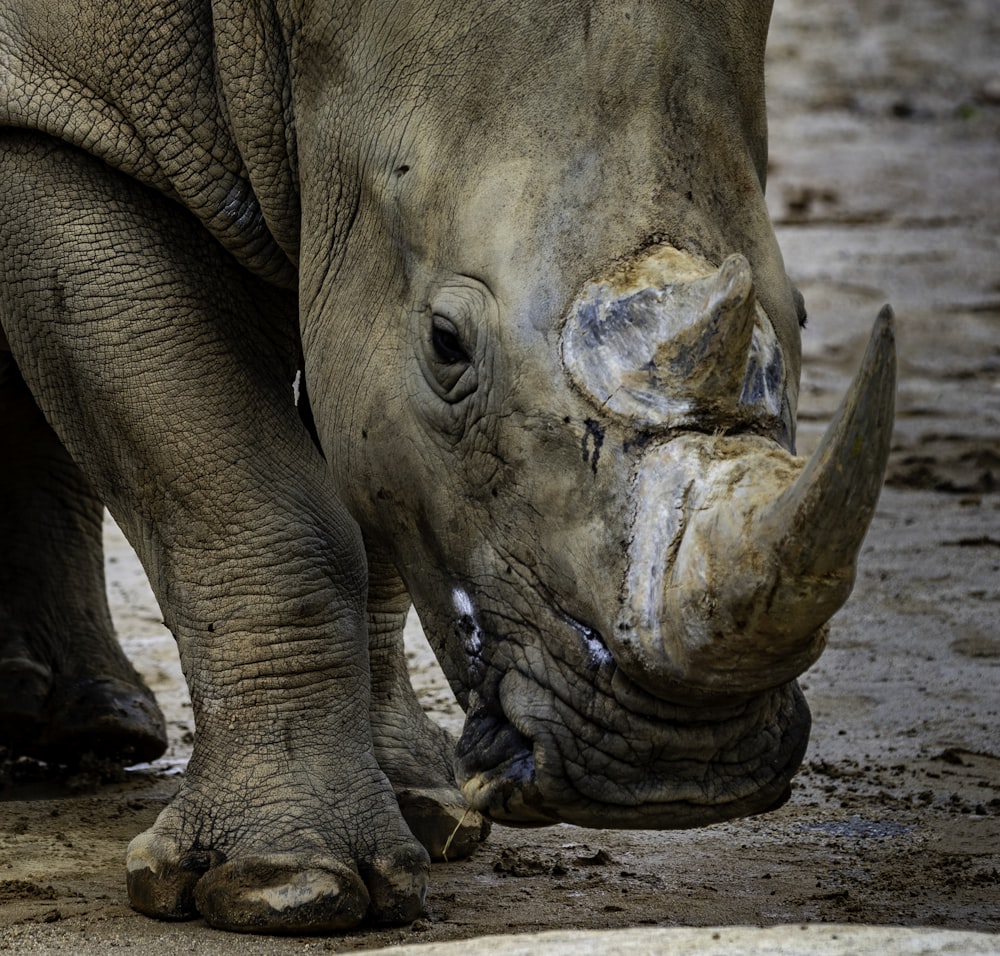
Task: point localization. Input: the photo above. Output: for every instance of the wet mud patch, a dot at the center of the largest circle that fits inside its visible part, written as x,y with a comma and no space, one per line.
523,861
947,463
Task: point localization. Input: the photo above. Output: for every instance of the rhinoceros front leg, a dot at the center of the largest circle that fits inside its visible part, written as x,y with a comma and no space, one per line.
66,688
414,752
166,371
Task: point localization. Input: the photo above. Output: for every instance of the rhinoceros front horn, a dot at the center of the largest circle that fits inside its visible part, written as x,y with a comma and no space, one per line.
817,526
732,580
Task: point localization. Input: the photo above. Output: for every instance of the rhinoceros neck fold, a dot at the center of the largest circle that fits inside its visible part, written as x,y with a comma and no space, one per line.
126,94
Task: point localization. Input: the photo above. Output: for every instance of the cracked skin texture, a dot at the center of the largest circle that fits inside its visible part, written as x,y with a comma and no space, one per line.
203,200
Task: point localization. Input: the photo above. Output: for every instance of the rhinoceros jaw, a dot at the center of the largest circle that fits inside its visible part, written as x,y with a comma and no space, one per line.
525,765
495,765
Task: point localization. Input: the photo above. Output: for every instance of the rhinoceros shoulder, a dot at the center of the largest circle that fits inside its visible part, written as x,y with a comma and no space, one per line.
135,84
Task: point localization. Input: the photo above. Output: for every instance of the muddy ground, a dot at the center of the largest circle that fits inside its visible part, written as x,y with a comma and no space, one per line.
885,185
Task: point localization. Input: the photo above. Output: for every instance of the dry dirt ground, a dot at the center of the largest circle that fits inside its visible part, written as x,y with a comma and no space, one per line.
885,185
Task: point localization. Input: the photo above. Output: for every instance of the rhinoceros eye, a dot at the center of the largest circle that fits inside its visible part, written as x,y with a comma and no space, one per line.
447,344
449,368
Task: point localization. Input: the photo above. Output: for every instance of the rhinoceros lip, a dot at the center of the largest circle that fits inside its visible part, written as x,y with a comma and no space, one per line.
498,766
510,760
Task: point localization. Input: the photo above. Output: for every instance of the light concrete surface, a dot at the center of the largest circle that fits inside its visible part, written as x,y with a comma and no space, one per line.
815,940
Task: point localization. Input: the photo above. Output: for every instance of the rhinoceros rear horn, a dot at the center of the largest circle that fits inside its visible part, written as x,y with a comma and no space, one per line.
666,340
818,524
707,360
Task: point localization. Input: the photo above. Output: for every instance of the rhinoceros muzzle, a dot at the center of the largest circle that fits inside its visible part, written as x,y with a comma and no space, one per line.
530,755
671,700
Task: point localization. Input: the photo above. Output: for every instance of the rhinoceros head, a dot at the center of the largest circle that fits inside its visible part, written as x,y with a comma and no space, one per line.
564,407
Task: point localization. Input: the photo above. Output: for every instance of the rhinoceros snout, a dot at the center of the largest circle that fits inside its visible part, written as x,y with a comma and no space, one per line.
741,552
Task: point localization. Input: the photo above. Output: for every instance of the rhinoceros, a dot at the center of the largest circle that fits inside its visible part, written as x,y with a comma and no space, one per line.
338,306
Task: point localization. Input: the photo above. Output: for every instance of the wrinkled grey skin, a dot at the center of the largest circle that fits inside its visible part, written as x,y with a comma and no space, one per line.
463,218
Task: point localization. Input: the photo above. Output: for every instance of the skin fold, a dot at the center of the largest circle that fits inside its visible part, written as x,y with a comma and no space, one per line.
520,257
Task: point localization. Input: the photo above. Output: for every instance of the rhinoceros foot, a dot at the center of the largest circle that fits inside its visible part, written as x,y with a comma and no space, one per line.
24,688
423,781
106,717
417,755
63,718
443,822
250,866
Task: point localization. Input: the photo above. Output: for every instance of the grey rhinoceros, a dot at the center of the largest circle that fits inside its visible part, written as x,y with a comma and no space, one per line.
520,254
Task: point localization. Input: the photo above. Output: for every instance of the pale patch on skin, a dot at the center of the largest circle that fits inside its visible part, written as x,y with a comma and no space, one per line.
472,641
300,889
598,654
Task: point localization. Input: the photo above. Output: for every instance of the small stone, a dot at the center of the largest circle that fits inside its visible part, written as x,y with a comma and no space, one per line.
989,92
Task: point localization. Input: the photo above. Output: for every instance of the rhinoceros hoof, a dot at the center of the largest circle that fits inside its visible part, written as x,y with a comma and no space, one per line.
61,718
441,820
102,716
273,893
24,689
161,881
282,894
